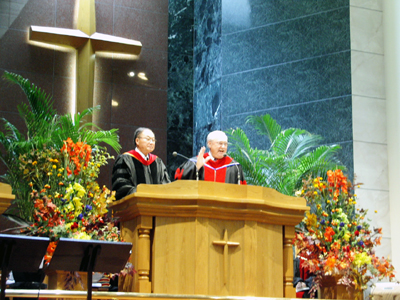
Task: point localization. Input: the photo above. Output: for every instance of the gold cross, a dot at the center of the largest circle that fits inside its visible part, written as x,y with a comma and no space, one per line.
226,244
86,41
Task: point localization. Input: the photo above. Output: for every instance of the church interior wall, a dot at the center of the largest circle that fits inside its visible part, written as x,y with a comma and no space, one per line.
140,102
180,81
290,59
369,115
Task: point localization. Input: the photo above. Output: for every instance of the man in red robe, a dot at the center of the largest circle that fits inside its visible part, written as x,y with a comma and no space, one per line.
138,166
214,165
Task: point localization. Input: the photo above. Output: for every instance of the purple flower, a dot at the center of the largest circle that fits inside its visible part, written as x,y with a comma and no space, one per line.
359,227
322,222
63,200
341,224
88,207
80,217
361,243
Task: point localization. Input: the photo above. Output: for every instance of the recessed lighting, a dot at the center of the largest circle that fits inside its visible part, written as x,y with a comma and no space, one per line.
142,76
131,74
114,103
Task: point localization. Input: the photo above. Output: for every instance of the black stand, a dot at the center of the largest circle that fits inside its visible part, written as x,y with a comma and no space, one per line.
90,256
20,254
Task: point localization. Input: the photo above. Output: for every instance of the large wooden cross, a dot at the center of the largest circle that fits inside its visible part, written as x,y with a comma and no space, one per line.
86,41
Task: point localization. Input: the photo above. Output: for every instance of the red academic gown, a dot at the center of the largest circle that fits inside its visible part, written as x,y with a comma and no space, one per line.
221,170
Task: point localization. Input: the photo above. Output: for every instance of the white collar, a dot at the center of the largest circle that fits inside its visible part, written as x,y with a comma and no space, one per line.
141,153
212,157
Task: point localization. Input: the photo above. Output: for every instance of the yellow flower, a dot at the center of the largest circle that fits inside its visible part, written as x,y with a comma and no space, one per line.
362,259
54,167
80,190
26,171
59,175
70,207
34,163
49,174
311,219
81,236
347,235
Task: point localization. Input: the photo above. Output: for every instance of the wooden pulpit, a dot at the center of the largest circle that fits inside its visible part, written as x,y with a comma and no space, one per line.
207,238
6,197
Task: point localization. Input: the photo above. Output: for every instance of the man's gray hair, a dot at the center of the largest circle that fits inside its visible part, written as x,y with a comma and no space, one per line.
216,135
138,132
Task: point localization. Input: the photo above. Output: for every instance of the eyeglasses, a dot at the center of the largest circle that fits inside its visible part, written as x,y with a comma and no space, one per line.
148,139
221,143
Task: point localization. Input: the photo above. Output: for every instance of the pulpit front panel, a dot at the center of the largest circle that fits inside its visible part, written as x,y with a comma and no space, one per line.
217,257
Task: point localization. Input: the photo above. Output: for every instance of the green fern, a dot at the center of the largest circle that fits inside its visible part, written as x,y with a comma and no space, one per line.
293,155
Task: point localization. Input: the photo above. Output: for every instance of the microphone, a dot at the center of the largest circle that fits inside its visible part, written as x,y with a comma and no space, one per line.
236,165
175,154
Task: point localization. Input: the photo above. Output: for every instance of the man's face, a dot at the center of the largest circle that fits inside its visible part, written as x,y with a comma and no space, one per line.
146,142
218,148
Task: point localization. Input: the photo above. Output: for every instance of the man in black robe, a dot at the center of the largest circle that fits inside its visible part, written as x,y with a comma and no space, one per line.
215,165
138,166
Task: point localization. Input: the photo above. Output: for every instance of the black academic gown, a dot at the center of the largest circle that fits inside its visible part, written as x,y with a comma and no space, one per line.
221,170
131,169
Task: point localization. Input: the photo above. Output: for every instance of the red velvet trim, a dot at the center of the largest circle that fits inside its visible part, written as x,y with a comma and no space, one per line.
140,158
178,174
209,174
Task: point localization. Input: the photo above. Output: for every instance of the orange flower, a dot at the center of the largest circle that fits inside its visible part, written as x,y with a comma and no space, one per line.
330,263
329,232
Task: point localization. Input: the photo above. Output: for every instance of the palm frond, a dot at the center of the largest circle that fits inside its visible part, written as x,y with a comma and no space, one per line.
294,154
265,125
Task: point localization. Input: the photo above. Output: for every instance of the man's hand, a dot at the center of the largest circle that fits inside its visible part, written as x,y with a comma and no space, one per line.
200,158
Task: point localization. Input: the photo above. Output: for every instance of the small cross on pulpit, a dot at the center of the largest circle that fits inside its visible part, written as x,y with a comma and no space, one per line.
226,244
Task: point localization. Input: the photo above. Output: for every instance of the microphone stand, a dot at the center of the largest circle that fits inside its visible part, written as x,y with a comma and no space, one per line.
175,154
236,165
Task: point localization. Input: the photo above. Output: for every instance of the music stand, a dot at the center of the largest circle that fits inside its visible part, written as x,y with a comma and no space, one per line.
21,254
90,256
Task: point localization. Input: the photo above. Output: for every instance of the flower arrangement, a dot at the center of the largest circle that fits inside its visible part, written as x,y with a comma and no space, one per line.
335,238
68,201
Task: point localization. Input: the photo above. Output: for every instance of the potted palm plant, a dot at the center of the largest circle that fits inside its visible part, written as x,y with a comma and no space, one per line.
293,155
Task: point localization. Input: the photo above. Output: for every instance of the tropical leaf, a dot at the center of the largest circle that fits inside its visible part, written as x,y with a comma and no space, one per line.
294,154
265,125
